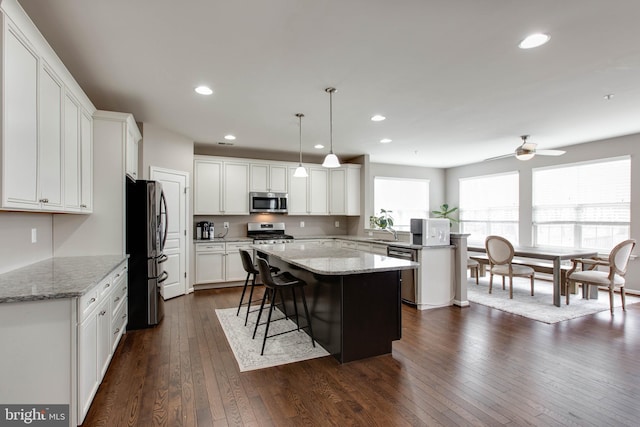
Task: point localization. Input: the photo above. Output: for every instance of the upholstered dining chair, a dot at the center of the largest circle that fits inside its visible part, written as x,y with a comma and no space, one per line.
589,275
500,253
474,268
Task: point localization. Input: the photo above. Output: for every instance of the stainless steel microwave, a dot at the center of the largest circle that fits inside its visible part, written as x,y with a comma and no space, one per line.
268,202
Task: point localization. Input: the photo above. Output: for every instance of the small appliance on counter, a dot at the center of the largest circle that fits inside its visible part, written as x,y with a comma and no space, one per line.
430,231
205,230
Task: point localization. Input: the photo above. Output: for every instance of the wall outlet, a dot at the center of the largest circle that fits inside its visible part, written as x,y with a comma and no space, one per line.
301,224
34,235
337,224
225,224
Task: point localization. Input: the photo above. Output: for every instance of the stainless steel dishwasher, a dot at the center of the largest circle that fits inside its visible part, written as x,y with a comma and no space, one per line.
408,277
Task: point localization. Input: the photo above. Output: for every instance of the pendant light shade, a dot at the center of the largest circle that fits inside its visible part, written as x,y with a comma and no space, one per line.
331,161
300,172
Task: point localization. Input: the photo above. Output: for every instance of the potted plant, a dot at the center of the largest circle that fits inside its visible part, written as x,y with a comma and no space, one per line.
381,221
445,212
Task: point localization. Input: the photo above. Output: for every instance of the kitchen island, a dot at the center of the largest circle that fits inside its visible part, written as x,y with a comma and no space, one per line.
353,296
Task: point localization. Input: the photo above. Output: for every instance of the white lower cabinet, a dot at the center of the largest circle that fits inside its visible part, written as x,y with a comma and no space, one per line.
220,262
96,338
209,263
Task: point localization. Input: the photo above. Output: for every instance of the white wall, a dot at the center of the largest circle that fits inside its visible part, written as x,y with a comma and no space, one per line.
16,249
626,145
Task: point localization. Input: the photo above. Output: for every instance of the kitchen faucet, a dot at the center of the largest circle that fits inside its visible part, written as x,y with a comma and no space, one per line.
392,231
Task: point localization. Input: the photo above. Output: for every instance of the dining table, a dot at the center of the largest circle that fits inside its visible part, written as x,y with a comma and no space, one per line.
556,255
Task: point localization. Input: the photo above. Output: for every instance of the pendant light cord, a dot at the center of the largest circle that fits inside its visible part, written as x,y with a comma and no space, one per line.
330,90
300,116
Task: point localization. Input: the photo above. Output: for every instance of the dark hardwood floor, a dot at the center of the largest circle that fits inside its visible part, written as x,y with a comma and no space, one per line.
470,366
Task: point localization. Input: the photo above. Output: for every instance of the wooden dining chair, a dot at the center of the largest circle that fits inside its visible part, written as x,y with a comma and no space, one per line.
500,253
616,263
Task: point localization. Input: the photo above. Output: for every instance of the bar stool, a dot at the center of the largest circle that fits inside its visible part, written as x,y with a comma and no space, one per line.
251,270
274,286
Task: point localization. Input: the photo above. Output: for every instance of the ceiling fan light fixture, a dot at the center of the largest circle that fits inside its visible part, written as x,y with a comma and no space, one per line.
524,154
300,172
534,40
331,161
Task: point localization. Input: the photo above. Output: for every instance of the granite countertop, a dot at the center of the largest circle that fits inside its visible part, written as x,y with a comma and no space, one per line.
334,261
55,278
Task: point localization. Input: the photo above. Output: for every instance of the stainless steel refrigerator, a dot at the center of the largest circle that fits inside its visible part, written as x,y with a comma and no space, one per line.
146,235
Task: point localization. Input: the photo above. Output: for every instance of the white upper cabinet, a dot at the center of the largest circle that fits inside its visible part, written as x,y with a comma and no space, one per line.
298,194
45,149
50,147
309,196
133,141
72,166
345,190
236,188
318,191
221,186
207,199
20,139
268,177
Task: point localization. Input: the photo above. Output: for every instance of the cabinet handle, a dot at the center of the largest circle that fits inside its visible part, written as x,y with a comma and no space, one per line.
116,332
44,200
103,312
107,285
83,206
124,316
117,299
91,301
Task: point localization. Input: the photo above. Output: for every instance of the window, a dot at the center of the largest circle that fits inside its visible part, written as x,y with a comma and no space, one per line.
583,205
489,206
406,198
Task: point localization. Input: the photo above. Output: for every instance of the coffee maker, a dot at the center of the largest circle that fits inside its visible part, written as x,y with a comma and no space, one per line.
204,230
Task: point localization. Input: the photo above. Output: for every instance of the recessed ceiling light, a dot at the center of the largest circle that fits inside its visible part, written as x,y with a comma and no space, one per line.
534,40
318,146
229,137
385,140
377,118
203,90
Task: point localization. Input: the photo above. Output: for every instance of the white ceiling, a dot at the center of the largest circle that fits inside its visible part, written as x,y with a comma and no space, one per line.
448,75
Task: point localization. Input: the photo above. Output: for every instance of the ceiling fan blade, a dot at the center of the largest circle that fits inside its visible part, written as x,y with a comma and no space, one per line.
550,152
504,156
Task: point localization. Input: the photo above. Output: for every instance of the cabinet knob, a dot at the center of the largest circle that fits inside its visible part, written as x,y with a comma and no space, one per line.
91,301
103,312
83,206
44,200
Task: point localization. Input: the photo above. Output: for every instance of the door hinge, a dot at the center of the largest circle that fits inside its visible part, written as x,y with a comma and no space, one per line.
185,274
185,232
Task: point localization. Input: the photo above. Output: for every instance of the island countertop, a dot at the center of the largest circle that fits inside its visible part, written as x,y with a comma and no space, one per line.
53,278
319,259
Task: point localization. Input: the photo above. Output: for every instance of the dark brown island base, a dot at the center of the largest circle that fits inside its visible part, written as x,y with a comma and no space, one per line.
353,296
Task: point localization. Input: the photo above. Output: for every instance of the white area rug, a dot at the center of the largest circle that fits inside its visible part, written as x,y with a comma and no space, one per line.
539,307
287,348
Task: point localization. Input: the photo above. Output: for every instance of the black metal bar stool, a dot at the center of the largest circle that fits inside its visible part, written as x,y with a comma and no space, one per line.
275,285
251,270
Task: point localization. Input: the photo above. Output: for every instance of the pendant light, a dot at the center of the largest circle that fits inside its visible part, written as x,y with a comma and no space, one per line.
331,161
300,172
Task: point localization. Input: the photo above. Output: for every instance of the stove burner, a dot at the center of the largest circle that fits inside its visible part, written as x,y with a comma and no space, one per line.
268,233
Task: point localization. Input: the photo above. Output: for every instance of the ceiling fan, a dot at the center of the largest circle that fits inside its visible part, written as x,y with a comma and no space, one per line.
527,151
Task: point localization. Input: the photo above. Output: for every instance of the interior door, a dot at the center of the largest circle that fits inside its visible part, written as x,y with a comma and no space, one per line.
174,184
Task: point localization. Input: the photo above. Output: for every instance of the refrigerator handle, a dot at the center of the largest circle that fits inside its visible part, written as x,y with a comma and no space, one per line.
163,211
164,276
163,258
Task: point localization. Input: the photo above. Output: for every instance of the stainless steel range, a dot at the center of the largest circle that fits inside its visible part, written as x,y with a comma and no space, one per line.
268,233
